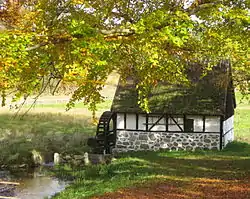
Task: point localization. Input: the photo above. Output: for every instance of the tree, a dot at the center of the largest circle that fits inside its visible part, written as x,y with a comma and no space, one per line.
82,41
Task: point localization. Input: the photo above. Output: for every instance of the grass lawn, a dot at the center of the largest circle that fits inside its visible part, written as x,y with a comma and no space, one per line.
242,119
204,174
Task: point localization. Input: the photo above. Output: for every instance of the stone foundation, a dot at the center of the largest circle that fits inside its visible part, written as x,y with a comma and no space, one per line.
141,141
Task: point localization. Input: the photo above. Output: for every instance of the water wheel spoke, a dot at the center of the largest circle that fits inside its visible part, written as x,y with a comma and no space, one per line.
105,137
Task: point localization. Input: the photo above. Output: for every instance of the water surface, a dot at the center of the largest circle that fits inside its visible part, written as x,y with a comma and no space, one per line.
36,184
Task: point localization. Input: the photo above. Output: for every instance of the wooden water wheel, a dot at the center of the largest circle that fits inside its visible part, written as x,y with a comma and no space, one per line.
105,137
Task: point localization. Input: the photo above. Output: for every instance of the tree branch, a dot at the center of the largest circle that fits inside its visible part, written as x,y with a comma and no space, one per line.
37,46
107,33
117,31
199,7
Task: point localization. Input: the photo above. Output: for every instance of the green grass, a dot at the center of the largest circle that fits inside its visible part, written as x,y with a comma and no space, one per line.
140,168
44,132
42,123
103,105
242,125
47,128
242,118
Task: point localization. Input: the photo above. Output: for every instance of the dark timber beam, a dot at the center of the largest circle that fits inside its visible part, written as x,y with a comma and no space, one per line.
156,122
177,123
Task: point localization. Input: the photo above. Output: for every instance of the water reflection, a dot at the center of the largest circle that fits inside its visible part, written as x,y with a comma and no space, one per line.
37,184
39,187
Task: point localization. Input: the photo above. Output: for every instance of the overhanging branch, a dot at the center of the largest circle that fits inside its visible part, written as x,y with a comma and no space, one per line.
201,6
107,33
37,46
119,31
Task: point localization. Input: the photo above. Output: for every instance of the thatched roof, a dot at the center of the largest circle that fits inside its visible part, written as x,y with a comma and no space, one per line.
208,95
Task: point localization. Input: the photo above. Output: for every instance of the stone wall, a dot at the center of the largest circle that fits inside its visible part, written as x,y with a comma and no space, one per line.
140,140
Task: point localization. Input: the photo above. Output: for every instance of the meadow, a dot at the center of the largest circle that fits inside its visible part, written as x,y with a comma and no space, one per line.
242,119
46,130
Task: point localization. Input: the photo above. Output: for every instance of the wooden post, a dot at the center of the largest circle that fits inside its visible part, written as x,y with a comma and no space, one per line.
9,183
6,197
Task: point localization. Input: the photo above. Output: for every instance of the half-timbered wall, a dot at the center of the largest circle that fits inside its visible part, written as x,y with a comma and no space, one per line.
154,132
228,131
174,123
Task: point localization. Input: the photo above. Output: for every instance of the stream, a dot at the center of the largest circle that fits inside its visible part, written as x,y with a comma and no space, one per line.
36,184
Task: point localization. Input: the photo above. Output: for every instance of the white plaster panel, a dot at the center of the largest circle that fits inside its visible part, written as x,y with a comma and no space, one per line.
212,124
198,122
228,124
160,126
131,121
229,137
173,127
120,121
142,122
228,130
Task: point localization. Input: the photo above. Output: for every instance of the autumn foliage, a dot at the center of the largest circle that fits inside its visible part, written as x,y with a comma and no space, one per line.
81,42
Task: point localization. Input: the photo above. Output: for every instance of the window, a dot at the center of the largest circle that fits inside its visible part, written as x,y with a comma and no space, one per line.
189,125
197,123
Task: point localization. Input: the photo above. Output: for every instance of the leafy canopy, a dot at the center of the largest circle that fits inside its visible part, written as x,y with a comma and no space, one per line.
82,41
